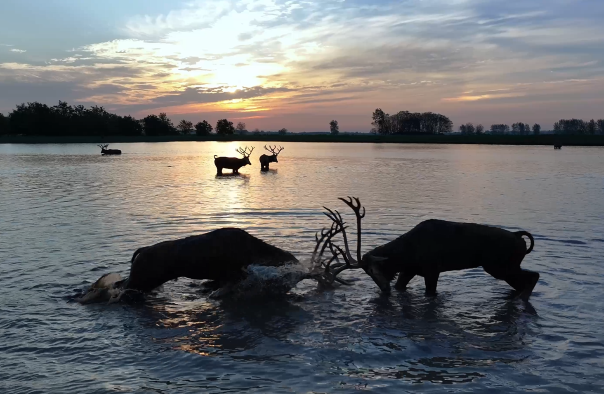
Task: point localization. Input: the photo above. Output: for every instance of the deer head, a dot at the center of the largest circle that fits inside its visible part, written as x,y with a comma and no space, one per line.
275,151
323,269
245,154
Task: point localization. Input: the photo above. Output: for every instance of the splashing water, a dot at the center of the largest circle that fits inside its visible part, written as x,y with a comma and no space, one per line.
263,280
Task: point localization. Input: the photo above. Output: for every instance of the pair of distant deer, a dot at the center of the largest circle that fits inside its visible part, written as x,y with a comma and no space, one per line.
234,163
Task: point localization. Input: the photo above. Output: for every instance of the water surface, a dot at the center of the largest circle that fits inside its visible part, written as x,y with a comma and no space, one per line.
69,215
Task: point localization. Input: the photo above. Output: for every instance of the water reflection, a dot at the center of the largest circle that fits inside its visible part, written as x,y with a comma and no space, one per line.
69,215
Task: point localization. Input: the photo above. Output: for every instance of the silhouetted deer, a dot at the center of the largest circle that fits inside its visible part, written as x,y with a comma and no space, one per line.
105,151
221,255
432,247
233,163
266,159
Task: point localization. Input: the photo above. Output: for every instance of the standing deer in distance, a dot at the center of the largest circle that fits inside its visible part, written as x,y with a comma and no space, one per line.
105,151
265,160
233,163
431,247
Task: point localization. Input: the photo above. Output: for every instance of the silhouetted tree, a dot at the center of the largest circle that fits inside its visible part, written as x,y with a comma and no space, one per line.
500,129
591,127
571,126
521,128
405,122
256,131
224,127
185,127
601,126
283,131
467,128
536,129
203,128
480,129
379,122
557,128
129,126
241,128
334,128
3,124
158,125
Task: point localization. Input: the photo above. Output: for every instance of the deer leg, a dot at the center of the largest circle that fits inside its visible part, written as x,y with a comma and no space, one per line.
523,281
431,280
403,280
218,171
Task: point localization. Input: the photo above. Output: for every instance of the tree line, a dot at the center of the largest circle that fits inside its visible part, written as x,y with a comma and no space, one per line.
517,128
64,120
563,126
405,122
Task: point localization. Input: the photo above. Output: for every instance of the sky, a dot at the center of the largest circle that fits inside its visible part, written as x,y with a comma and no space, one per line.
299,64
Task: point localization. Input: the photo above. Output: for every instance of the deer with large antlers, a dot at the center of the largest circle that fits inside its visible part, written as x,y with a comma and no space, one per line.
265,159
233,163
431,247
323,269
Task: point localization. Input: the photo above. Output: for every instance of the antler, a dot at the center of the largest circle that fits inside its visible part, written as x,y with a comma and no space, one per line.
272,149
330,272
103,146
244,152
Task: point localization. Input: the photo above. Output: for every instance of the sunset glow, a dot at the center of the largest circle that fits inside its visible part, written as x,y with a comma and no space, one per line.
300,64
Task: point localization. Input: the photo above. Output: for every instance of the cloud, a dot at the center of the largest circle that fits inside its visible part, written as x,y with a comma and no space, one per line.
18,50
449,56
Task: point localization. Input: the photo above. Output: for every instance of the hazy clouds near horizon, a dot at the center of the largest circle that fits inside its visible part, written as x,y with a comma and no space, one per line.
299,64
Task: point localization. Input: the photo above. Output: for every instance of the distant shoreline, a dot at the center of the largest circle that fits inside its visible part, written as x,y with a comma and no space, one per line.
544,139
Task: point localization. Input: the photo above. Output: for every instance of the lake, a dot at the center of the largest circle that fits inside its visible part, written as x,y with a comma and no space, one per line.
69,215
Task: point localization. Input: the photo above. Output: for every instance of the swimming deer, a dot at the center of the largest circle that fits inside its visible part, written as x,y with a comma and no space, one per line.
105,151
433,247
265,160
233,163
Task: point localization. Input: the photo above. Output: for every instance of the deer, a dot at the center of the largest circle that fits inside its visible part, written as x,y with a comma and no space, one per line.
105,151
220,256
233,163
430,248
265,160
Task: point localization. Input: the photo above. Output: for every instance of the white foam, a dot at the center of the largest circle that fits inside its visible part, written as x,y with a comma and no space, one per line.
264,280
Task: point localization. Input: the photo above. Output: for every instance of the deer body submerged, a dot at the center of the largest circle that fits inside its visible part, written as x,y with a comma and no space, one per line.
221,255
436,246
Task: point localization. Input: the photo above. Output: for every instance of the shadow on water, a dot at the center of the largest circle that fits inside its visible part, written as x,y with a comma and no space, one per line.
271,171
235,328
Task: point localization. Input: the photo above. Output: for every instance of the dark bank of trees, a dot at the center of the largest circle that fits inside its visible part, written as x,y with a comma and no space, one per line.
64,120
564,126
579,127
405,122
